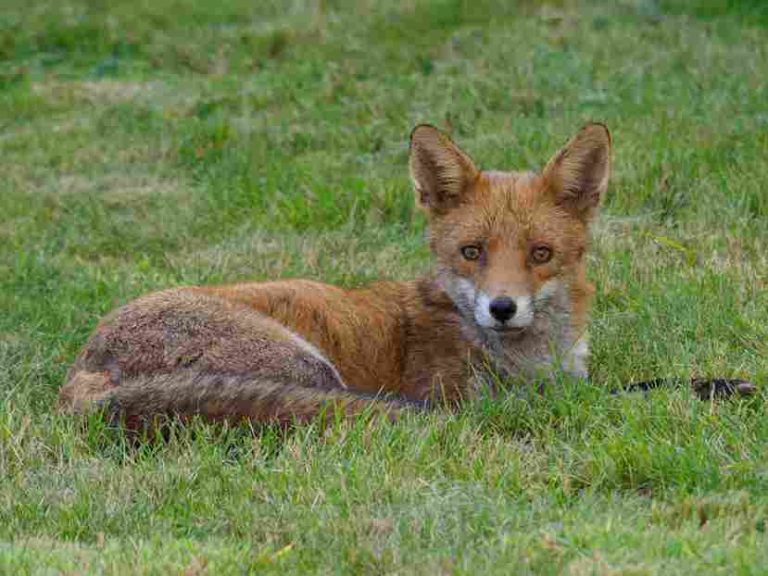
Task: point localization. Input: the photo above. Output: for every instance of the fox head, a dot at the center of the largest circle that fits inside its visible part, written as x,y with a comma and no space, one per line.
507,245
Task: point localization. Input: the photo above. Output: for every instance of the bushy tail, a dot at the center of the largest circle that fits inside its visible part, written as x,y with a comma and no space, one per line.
218,397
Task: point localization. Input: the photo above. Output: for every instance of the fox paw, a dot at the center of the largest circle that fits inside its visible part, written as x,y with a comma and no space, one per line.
706,388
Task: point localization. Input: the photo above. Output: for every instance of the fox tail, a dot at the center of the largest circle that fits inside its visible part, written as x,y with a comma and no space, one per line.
218,397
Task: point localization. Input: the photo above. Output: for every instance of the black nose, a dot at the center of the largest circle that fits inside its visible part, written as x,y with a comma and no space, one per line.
502,308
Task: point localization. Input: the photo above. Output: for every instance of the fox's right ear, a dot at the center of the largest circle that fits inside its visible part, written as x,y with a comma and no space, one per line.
442,174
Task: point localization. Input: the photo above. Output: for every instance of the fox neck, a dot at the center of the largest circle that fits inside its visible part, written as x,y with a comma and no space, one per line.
549,344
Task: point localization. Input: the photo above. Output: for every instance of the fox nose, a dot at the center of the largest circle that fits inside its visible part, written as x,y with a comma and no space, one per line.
502,308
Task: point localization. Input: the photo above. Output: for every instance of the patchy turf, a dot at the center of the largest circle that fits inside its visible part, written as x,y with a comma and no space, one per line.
152,144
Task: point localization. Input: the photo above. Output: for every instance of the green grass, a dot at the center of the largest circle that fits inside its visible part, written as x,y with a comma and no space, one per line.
150,144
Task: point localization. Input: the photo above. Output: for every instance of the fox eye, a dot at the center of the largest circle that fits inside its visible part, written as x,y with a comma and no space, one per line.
471,252
541,254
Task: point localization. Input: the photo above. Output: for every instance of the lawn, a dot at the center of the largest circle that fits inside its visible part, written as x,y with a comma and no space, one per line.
147,144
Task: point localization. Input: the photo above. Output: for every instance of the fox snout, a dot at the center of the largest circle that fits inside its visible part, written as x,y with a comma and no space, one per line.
503,312
502,308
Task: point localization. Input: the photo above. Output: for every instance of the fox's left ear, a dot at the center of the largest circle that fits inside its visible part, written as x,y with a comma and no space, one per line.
577,176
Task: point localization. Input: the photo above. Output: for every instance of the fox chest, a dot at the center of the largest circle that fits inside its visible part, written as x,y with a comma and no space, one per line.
535,358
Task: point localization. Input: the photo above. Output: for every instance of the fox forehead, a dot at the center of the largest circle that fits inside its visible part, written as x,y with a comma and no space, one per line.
503,194
505,207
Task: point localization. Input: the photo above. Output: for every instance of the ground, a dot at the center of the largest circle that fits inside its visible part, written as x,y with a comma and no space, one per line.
156,143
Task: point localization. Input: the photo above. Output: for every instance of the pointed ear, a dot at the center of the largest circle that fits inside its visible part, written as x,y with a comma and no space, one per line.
577,176
441,173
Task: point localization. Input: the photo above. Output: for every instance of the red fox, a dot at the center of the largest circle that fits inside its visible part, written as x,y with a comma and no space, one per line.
508,292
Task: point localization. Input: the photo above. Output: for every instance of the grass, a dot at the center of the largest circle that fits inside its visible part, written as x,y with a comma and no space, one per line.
150,144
